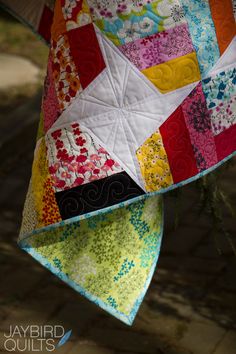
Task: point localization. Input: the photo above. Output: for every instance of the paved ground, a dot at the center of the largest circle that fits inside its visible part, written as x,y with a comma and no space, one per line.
189,308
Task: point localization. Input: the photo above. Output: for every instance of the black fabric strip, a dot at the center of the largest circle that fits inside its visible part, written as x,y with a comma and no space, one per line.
96,195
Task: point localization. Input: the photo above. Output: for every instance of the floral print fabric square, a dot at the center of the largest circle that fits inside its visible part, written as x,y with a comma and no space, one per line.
74,158
109,258
154,164
126,21
220,87
224,115
202,30
159,48
65,76
76,13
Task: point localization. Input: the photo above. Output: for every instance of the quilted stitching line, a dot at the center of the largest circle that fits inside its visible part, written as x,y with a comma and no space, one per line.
132,150
127,70
110,76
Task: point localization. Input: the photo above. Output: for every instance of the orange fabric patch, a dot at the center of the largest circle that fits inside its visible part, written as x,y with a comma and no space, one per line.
222,14
59,24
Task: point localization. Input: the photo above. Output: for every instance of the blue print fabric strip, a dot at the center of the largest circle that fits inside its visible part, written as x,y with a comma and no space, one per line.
202,30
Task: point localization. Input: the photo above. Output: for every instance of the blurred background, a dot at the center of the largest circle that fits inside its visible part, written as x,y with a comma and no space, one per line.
190,306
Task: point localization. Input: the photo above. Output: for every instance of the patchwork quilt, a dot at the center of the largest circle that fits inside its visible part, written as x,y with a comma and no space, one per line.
139,98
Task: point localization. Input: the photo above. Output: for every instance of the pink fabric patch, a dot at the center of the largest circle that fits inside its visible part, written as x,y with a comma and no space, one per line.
50,103
74,158
226,142
159,48
198,122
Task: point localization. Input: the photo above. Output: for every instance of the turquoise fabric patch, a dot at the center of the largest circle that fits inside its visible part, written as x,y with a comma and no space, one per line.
141,21
220,88
125,31
202,30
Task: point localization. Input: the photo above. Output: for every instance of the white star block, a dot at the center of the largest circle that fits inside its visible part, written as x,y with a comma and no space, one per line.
121,108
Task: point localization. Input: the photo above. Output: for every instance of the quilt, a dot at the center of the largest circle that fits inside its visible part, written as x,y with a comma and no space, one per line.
139,98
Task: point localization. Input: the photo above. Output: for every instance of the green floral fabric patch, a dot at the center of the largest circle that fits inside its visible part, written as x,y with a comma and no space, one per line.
110,257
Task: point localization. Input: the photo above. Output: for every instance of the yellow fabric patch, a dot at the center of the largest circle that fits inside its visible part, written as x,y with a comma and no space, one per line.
175,73
43,194
154,163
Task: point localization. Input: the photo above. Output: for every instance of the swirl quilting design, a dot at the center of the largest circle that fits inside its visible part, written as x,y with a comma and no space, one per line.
175,73
97,195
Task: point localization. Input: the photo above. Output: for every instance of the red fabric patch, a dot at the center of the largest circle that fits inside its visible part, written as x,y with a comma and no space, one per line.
86,53
46,23
178,147
226,142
